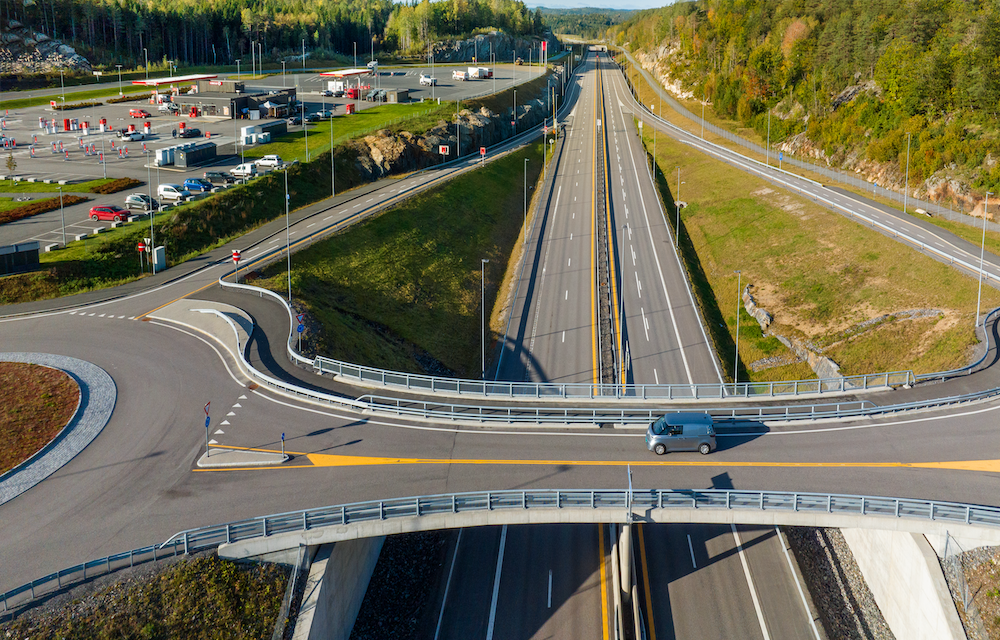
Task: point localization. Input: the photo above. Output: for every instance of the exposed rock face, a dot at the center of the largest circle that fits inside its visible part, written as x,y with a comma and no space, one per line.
25,51
384,153
505,48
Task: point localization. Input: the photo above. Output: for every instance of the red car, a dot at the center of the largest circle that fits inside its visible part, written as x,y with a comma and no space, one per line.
108,212
138,113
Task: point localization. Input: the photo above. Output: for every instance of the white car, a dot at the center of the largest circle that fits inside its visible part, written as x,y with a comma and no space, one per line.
172,192
427,81
270,160
167,107
131,136
245,170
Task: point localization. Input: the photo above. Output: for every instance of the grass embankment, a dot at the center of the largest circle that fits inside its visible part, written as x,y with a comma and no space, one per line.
35,404
818,273
11,210
101,185
193,599
78,96
415,118
649,97
406,285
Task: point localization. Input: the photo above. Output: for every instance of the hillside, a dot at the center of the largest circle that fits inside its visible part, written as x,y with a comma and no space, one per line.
589,23
845,82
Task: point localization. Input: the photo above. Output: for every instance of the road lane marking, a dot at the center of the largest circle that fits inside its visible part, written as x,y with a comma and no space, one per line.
645,323
496,585
638,285
564,336
753,590
447,585
645,580
549,601
691,549
567,295
604,583
798,583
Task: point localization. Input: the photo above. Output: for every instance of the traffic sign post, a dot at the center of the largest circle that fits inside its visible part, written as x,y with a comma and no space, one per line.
482,155
142,261
236,261
443,149
208,421
282,444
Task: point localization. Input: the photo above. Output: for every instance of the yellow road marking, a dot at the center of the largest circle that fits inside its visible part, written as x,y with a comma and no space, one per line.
645,580
593,238
190,293
604,583
334,460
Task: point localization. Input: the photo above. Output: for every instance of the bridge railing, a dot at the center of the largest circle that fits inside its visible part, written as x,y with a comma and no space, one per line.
206,538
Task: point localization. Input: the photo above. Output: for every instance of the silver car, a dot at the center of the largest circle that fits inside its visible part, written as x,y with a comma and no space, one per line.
681,432
140,201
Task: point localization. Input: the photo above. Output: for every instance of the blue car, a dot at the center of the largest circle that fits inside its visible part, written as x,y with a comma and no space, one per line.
198,184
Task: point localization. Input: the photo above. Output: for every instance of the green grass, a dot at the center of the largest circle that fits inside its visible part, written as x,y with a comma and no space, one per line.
414,118
817,272
406,284
81,96
10,186
7,203
195,599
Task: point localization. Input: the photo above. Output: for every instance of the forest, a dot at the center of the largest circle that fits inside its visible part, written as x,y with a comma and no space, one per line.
586,23
197,32
856,76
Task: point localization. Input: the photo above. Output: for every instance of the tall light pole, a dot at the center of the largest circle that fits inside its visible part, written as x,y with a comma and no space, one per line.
288,241
305,129
355,55
333,167
62,85
703,116
303,54
677,206
62,215
482,323
736,357
119,79
526,201
237,69
283,74
149,186
982,255
653,109
906,184
767,149
513,114
458,128
145,54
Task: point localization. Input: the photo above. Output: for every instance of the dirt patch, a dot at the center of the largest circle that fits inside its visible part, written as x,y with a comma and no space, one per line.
36,402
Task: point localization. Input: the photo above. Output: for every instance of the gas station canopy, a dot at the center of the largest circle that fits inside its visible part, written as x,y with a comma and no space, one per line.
346,73
156,82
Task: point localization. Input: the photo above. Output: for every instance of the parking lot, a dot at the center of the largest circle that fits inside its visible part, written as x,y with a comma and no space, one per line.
72,163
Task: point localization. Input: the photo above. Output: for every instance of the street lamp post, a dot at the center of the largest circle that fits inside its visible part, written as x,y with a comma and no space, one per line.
119,79
305,129
736,356
283,74
288,241
652,107
62,85
333,167
237,69
482,323
677,206
982,255
526,201
702,116
145,54
62,216
767,149
906,183
513,114
355,55
149,191
458,129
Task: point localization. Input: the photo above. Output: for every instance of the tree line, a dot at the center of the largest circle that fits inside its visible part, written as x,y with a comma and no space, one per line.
590,24
197,32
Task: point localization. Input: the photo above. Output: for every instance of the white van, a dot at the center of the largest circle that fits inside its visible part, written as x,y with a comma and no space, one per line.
172,192
245,170
427,81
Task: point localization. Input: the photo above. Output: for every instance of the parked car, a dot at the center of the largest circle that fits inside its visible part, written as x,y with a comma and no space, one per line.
140,201
245,170
326,93
219,177
172,192
131,136
339,93
198,185
190,133
370,96
270,160
324,115
681,432
294,120
108,212
168,107
138,113
313,117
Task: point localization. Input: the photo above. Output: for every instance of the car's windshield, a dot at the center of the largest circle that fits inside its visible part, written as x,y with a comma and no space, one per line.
659,425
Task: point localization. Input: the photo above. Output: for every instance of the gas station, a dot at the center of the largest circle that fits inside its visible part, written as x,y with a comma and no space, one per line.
210,96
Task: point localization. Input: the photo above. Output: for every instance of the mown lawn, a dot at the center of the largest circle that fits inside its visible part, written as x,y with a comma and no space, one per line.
402,290
72,98
818,273
10,186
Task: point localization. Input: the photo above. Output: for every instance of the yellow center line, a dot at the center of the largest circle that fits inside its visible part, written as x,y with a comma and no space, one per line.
334,460
604,582
645,580
593,240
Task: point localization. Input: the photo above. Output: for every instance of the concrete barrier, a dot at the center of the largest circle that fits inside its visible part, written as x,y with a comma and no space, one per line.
115,225
335,589
52,247
906,579
98,230
80,236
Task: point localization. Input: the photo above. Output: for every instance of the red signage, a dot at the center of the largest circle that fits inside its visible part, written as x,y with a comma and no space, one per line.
543,44
443,149
236,255
141,247
482,151
215,83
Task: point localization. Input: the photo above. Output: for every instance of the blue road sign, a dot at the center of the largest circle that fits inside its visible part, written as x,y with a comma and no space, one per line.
781,155
300,328
207,421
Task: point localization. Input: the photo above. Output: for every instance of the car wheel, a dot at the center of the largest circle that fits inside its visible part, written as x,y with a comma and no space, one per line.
659,449
93,216
704,449
118,218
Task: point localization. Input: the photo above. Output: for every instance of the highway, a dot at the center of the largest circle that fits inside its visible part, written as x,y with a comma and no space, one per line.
137,483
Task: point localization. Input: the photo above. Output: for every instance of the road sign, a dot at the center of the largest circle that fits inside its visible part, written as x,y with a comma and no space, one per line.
141,247
300,328
208,421
52,103
482,151
300,317
236,255
207,405
640,124
781,155
443,149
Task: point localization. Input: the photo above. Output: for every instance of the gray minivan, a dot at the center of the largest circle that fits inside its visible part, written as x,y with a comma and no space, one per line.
681,432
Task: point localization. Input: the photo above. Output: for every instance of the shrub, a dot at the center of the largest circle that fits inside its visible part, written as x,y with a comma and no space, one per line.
34,208
129,97
76,105
121,184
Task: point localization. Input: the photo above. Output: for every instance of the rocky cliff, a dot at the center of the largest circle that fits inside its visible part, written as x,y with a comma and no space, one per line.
504,46
25,51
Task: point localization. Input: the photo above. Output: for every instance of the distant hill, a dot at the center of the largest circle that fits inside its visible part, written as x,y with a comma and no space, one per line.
846,81
590,23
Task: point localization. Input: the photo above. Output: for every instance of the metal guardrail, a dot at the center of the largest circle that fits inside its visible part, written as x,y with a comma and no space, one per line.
204,538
